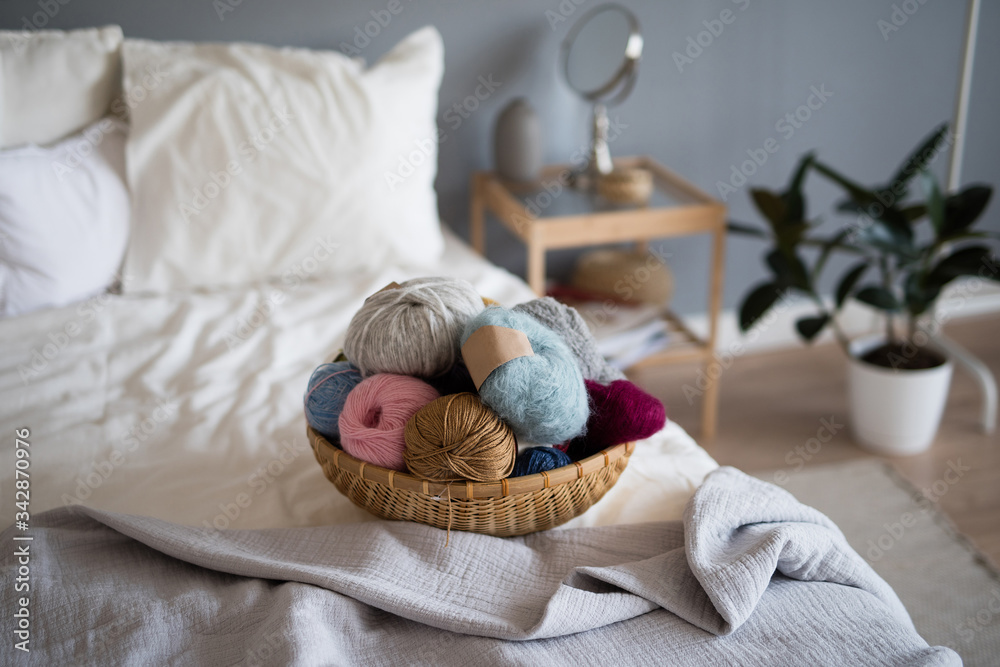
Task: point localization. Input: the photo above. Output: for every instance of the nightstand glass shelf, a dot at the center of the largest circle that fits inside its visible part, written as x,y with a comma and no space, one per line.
549,214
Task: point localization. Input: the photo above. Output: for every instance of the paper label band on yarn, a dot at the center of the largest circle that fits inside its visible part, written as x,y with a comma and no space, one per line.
392,285
490,347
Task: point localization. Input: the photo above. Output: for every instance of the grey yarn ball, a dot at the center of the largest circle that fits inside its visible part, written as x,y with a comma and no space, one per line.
568,323
413,329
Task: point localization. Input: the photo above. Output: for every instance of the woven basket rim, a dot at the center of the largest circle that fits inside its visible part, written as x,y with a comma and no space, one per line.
469,490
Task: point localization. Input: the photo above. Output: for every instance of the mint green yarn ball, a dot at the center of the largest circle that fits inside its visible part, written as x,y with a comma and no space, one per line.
542,397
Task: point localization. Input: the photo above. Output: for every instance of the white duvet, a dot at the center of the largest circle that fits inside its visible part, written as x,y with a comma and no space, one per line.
189,407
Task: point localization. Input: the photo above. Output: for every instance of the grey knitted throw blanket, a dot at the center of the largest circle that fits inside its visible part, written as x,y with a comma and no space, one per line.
751,577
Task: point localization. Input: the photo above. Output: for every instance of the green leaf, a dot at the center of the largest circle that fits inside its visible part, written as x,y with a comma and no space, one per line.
935,203
911,213
900,224
790,237
918,159
789,270
760,299
848,282
961,210
890,197
967,261
867,201
743,228
800,172
771,206
794,199
879,297
914,212
809,327
919,296
859,194
887,238
913,262
849,206
828,246
965,236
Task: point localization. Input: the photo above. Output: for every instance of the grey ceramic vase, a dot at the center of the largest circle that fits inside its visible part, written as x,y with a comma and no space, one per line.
517,142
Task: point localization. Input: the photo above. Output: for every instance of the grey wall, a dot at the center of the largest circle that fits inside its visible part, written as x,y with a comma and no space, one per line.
886,93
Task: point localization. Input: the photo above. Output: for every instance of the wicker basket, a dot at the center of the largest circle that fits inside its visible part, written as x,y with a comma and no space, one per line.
514,506
626,186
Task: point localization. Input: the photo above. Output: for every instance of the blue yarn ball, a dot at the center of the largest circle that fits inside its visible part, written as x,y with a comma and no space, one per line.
325,397
542,397
537,459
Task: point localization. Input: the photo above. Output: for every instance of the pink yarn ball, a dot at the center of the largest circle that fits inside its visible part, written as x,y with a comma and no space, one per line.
375,416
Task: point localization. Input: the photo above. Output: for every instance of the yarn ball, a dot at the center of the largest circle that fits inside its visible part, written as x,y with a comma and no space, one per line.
538,459
620,412
375,415
455,381
569,324
412,329
541,397
458,438
324,399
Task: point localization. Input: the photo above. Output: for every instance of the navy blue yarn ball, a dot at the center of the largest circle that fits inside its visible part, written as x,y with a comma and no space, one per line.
538,459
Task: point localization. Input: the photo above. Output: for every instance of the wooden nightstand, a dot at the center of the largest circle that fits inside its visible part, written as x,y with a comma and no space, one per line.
549,215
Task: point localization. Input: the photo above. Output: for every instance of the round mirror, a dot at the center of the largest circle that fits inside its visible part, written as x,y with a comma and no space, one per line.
601,51
600,58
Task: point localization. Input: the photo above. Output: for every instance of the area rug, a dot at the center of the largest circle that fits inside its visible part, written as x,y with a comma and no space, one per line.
951,590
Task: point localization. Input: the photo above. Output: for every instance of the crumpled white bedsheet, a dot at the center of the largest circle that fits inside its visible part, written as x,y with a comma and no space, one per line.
188,407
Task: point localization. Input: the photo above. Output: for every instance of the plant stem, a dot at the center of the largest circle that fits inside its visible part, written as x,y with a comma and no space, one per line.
883,261
845,344
838,333
818,243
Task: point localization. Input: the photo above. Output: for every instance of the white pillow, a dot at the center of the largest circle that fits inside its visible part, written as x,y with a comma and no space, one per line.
55,83
64,216
248,162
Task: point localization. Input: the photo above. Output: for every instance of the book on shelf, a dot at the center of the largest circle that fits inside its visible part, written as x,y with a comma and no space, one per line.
626,333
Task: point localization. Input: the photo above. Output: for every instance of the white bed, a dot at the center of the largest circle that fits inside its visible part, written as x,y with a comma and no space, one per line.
197,412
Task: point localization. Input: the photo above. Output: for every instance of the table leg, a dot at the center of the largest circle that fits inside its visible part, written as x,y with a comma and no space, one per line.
536,267
477,222
710,407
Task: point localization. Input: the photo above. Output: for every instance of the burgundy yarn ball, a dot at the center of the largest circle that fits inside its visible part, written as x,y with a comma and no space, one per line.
619,412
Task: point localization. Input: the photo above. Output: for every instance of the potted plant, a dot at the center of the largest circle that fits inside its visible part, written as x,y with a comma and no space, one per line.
898,380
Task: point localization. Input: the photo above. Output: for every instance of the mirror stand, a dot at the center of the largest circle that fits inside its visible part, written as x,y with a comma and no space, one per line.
600,154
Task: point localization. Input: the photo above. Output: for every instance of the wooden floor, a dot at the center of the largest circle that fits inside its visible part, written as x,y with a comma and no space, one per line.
772,404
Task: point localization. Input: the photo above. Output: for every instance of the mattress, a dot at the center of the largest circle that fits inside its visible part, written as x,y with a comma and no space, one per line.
188,407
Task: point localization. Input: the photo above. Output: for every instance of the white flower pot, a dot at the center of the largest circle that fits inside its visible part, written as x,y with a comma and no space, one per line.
894,412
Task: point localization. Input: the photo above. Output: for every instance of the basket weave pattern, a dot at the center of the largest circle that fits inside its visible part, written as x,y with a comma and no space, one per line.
509,507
